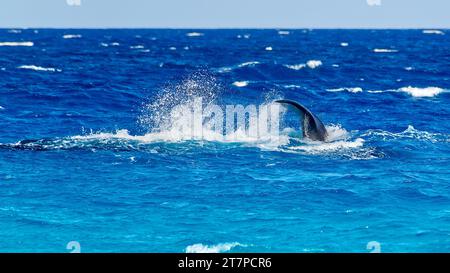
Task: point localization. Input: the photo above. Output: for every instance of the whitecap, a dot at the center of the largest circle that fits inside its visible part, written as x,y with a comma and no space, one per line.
252,63
245,64
201,248
194,34
344,44
137,47
313,63
240,83
421,92
283,32
172,48
384,50
291,86
409,133
348,89
39,68
72,36
324,147
16,44
16,31
433,31
269,48
295,66
2,108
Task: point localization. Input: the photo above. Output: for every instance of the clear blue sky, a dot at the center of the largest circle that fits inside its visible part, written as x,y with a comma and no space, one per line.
226,13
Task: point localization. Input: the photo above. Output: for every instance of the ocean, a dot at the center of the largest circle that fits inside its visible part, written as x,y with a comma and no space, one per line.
90,160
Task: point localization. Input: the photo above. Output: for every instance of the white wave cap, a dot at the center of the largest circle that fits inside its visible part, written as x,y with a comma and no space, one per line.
283,32
240,83
295,66
245,64
269,48
421,92
39,68
16,44
348,89
433,31
194,34
72,36
253,63
409,133
384,50
343,44
313,63
201,248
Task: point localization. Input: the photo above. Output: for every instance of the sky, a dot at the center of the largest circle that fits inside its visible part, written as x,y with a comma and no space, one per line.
225,13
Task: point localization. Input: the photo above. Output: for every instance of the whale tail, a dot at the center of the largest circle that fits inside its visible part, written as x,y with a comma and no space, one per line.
312,126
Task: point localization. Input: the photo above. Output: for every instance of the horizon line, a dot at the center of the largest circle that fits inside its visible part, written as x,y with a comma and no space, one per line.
235,28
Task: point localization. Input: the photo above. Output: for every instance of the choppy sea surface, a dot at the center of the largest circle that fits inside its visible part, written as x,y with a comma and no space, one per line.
87,153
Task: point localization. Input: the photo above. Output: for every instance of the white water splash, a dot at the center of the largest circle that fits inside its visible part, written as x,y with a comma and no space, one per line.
201,248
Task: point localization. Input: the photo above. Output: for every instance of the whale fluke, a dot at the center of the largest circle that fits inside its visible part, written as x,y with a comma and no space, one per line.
312,127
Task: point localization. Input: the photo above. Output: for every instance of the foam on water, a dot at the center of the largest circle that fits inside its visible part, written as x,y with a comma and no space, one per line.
137,47
338,143
295,66
72,36
421,92
433,31
313,63
194,34
347,89
201,248
241,65
409,133
16,44
39,68
283,32
384,50
240,83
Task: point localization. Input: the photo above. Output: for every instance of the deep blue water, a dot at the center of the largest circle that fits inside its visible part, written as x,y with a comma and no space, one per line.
79,176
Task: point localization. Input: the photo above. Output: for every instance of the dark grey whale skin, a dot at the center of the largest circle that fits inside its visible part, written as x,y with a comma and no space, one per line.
312,126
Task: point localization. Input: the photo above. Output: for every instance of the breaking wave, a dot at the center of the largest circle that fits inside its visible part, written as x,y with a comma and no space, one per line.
16,44
39,68
422,92
201,248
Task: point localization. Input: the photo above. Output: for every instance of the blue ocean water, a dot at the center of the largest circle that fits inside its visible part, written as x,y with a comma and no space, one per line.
81,158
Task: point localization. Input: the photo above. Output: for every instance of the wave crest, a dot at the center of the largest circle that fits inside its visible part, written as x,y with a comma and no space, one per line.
201,248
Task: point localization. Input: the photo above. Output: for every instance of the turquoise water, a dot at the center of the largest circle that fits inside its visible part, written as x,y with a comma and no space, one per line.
83,157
